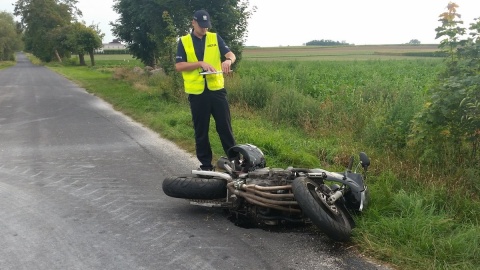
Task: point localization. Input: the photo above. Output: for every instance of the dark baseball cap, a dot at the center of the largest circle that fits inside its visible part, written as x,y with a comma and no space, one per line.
203,18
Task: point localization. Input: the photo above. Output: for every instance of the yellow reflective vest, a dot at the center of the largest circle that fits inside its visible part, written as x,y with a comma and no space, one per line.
194,83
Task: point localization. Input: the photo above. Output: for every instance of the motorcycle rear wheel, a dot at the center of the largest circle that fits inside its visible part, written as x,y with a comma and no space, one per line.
194,187
333,220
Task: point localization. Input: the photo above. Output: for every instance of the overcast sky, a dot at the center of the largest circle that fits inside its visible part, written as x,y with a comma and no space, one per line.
291,23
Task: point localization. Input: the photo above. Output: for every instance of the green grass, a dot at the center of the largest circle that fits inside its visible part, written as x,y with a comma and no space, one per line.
6,64
418,229
317,114
116,60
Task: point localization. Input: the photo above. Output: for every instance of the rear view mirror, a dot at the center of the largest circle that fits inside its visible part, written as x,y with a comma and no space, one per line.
364,160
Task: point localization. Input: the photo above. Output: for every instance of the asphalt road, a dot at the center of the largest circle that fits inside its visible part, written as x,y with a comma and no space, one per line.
80,188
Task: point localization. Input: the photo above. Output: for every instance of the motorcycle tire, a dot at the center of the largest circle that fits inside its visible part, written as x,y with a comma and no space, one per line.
195,187
333,220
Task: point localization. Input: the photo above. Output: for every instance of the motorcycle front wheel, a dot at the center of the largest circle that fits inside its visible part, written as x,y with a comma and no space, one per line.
333,219
195,187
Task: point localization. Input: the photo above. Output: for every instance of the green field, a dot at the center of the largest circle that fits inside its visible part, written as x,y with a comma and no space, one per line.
115,57
315,107
318,53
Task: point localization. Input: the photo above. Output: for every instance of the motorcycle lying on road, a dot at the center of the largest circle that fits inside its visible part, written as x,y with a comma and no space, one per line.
248,189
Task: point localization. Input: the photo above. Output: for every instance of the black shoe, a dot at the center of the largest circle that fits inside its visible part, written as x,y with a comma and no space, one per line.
207,168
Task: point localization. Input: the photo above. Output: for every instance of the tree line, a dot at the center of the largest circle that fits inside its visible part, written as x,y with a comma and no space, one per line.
326,42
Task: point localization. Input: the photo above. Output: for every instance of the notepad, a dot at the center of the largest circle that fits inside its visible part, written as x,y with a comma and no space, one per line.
210,72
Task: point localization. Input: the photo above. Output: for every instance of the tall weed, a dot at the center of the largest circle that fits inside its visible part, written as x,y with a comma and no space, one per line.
254,93
405,227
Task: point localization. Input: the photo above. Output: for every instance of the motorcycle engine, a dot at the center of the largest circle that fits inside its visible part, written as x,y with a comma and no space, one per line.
269,177
265,205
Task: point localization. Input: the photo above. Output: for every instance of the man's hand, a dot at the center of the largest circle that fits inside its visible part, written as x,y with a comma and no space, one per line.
226,66
207,67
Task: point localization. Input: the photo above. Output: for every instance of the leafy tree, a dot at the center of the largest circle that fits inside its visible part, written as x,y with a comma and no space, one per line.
83,40
39,17
149,37
470,104
136,27
168,46
9,37
451,117
58,38
91,40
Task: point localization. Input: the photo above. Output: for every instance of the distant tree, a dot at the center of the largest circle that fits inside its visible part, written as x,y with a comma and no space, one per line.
92,40
58,40
326,42
414,42
152,28
39,17
97,30
85,40
9,37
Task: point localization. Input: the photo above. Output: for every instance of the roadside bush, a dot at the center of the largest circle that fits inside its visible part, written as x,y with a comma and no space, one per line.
448,127
167,88
70,61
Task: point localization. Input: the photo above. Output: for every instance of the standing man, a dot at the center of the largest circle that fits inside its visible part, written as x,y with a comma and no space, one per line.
202,51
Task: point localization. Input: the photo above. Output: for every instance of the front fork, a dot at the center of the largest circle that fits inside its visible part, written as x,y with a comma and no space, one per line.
335,196
338,193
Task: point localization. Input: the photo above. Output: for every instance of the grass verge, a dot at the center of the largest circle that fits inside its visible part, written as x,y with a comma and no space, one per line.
6,64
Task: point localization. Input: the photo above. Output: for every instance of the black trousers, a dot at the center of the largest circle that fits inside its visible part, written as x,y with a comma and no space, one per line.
210,103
